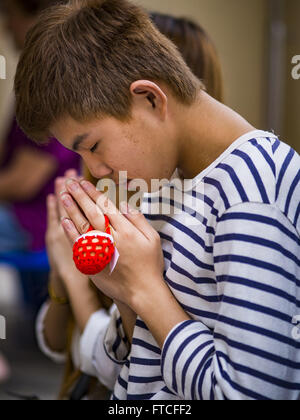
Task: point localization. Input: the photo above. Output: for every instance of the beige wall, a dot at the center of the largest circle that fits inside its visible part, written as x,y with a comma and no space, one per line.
292,114
238,28
6,86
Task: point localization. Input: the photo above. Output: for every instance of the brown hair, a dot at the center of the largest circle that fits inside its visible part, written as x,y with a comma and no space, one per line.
81,58
197,49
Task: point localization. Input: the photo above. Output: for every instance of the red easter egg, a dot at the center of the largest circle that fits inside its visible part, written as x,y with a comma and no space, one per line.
93,252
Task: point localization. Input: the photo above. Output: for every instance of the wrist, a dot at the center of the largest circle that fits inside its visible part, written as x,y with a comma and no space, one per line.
57,287
160,311
145,300
58,300
72,277
80,289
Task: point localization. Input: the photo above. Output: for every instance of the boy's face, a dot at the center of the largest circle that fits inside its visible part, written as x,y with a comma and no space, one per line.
144,146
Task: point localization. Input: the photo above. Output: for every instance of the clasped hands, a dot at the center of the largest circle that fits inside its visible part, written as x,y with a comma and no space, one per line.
141,263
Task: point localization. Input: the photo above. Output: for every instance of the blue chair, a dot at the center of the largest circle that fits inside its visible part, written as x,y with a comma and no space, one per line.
33,269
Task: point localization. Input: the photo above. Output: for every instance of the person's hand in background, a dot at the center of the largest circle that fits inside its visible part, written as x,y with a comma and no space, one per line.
66,282
58,247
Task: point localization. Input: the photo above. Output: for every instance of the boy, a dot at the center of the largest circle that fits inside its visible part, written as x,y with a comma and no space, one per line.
213,319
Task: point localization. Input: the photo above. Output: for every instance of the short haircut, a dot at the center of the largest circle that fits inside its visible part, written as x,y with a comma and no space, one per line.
81,58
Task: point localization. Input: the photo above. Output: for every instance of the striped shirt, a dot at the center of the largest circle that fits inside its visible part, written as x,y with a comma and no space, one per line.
233,265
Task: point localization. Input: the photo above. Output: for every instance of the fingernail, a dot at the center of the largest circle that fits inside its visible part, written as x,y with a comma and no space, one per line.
85,185
72,185
67,224
133,210
128,208
51,199
67,202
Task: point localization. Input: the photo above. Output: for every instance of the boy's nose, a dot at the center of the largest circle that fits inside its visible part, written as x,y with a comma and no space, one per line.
99,172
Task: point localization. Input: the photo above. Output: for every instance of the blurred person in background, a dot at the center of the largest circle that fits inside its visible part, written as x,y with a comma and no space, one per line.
197,48
27,171
69,324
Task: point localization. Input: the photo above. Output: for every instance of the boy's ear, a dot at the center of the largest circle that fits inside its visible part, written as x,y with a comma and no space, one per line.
143,90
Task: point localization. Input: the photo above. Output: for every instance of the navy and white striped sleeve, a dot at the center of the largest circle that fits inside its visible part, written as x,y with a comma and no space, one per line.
251,353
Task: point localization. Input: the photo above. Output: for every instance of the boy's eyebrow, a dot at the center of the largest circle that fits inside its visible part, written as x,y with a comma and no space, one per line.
78,140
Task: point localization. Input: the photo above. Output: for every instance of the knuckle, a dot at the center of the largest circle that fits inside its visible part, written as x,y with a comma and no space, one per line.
96,217
95,212
106,205
128,236
105,202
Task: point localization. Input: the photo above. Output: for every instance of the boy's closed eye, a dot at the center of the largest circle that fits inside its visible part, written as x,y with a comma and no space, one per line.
94,148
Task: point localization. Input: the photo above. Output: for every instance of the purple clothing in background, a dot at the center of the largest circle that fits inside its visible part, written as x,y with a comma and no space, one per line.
32,215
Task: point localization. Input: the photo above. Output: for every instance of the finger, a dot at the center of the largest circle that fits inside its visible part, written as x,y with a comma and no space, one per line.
74,214
92,212
71,173
138,220
59,189
52,214
70,230
117,220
